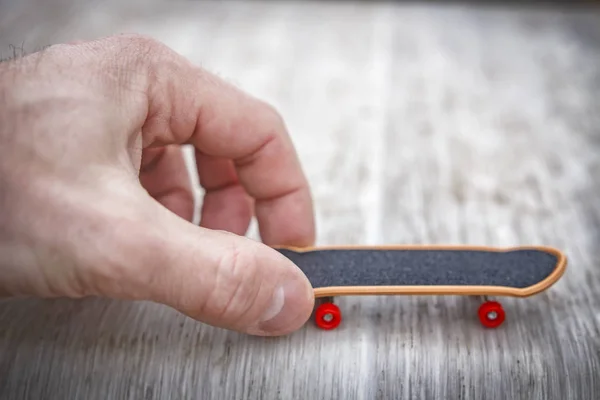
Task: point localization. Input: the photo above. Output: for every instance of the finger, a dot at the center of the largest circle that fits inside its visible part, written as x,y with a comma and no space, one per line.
164,175
215,277
174,102
227,205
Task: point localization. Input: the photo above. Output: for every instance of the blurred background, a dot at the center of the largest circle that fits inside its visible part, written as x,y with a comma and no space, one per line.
397,108
416,122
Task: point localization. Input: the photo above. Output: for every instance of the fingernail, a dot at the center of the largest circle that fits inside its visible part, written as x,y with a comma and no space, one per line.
288,305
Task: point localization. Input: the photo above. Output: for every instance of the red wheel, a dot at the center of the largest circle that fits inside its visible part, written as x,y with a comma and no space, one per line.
328,316
491,314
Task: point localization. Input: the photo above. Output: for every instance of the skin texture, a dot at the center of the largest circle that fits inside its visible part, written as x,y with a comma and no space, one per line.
95,199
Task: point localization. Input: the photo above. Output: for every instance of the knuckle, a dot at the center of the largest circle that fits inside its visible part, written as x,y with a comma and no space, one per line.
135,49
237,284
132,51
138,41
275,116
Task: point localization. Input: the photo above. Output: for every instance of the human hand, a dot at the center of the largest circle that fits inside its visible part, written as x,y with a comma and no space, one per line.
95,198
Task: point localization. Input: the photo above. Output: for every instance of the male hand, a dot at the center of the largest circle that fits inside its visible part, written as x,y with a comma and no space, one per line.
95,199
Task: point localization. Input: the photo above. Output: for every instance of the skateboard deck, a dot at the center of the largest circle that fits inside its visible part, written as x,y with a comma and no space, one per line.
426,270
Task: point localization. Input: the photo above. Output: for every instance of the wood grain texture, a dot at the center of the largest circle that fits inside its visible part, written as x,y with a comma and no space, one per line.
416,124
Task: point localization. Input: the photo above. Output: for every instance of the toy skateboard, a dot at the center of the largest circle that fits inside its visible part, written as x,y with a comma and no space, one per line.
426,270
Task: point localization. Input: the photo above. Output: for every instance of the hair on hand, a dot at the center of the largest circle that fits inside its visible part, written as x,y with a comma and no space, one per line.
17,52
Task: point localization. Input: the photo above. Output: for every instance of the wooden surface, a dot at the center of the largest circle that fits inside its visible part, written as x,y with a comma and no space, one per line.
416,124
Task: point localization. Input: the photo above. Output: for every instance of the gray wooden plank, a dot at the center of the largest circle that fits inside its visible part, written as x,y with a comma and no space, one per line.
493,141
416,124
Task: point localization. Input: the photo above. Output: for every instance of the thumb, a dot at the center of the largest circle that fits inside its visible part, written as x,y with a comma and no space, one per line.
216,277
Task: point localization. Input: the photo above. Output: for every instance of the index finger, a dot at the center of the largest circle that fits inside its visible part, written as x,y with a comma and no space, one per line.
187,104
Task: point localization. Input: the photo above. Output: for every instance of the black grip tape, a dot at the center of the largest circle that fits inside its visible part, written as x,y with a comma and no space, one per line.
366,267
